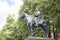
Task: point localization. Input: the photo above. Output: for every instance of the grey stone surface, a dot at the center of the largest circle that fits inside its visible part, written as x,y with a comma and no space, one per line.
38,38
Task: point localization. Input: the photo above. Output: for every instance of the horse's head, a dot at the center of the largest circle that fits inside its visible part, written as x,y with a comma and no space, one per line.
22,15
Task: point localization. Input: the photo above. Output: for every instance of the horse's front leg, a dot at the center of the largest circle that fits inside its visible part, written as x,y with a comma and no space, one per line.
30,30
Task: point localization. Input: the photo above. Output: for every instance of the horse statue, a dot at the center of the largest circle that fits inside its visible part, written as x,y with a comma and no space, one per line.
29,20
35,22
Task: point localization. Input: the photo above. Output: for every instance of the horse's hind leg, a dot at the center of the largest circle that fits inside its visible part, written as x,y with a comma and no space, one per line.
46,31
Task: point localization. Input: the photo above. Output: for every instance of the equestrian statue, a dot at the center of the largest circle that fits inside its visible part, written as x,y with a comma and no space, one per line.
35,22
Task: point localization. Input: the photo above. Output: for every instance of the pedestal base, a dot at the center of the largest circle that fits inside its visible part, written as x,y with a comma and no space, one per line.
38,38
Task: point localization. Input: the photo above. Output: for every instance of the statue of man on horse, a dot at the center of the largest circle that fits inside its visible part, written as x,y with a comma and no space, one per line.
35,21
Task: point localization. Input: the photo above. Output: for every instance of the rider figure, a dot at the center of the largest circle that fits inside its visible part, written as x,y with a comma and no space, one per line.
36,17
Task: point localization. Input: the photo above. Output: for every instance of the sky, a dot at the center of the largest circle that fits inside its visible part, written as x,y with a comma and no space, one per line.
8,7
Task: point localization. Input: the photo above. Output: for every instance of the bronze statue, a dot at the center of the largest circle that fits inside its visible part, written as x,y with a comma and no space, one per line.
35,22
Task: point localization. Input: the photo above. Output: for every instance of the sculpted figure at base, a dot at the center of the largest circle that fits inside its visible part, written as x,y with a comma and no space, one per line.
35,22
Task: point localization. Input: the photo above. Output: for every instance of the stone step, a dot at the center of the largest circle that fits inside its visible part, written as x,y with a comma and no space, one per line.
38,38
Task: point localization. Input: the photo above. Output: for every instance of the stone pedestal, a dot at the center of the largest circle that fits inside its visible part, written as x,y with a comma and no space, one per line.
38,38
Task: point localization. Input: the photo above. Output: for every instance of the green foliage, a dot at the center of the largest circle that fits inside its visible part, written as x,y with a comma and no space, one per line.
18,30
29,7
50,9
10,30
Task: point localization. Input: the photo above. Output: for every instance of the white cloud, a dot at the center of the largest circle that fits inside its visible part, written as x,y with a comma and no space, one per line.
6,9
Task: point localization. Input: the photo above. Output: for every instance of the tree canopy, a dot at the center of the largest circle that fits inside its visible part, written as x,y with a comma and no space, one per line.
18,30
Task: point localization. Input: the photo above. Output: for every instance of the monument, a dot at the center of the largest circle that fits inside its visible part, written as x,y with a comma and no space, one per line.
36,22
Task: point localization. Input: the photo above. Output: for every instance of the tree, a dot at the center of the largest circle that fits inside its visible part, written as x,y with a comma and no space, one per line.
49,8
29,7
10,30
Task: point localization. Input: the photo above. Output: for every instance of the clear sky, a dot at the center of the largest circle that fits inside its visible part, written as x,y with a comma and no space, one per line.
8,7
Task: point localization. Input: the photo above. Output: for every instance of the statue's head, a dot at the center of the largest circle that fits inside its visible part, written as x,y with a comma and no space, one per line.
37,12
22,15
